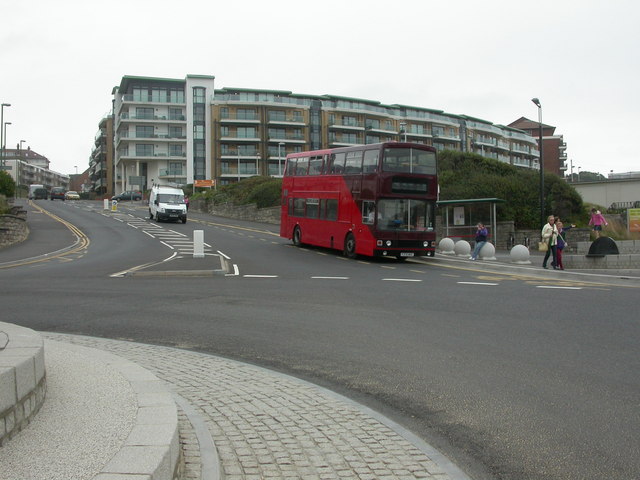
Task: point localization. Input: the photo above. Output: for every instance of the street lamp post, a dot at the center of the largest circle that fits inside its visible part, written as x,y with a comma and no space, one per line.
1,131
539,105
280,144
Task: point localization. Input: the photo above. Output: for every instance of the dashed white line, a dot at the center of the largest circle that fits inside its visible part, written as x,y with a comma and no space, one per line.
559,287
400,280
331,278
479,283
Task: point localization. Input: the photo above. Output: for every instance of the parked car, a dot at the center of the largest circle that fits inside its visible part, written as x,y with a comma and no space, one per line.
40,194
72,195
128,195
57,193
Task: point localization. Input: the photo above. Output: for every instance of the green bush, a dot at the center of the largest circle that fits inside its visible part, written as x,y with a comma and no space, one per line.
7,185
263,191
468,175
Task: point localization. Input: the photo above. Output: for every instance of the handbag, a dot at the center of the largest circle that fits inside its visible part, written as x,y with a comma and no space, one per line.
543,246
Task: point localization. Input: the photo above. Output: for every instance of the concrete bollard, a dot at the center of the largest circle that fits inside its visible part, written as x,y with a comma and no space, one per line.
198,244
105,204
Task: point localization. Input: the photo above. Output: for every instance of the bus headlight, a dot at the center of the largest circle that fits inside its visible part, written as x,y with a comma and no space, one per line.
389,243
425,243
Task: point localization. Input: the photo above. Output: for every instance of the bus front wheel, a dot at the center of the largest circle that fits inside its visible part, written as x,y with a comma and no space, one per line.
297,237
350,246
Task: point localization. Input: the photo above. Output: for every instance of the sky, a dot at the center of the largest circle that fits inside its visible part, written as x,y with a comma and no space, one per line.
487,59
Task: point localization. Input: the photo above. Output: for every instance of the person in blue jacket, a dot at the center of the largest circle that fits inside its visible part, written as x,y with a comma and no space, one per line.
481,239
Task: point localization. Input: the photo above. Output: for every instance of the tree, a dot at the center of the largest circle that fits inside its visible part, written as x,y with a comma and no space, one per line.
7,185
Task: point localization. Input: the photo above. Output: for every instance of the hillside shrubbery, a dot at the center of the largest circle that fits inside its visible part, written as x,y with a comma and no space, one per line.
468,175
263,191
462,176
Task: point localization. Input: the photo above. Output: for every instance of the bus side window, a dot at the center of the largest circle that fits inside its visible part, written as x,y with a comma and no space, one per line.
315,165
327,166
353,163
370,163
302,165
338,163
332,209
291,166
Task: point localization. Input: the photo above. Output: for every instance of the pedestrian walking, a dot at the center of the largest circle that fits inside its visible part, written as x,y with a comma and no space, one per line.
481,240
549,235
597,220
562,241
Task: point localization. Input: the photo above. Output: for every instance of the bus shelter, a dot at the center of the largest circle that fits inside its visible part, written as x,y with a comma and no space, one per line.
461,217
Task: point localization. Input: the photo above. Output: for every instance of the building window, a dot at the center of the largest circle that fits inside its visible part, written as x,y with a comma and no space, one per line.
198,95
175,132
175,114
143,113
144,150
246,132
144,131
246,114
198,132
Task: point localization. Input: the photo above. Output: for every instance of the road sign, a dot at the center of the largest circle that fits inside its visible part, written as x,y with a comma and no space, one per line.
204,183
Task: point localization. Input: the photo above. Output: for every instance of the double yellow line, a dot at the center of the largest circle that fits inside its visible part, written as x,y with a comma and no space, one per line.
82,242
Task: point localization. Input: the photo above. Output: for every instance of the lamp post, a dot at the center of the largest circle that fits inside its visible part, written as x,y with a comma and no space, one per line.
280,144
1,131
539,105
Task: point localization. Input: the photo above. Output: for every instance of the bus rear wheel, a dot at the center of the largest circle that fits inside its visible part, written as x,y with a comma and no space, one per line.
297,237
350,246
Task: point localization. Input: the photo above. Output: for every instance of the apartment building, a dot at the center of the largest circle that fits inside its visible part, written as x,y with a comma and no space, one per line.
101,168
254,130
554,149
28,167
180,130
162,131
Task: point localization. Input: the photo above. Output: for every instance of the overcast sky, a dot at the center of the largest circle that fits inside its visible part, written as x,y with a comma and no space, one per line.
61,59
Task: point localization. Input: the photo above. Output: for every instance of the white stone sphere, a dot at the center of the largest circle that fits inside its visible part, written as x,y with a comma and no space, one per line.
462,248
487,252
446,245
520,254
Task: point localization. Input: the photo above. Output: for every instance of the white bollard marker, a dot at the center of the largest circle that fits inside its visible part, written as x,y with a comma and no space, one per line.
198,244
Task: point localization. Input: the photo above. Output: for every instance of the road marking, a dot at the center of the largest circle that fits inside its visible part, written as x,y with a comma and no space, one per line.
400,280
558,287
260,276
167,245
479,283
330,278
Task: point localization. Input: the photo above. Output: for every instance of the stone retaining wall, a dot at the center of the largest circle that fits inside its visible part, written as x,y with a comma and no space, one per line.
250,212
23,383
13,229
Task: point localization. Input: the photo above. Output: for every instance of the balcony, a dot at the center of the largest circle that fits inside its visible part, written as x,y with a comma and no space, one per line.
130,98
243,118
171,172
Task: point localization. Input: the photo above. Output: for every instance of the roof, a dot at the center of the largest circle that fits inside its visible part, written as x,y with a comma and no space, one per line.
523,123
470,200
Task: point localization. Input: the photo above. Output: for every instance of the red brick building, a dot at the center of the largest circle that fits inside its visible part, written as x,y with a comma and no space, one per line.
553,147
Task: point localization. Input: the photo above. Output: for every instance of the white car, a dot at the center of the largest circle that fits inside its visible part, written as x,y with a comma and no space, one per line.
71,195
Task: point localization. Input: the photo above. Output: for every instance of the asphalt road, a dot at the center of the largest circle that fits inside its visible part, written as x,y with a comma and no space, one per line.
510,378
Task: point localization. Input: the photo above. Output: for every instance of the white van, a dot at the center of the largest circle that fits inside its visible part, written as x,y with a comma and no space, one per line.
167,203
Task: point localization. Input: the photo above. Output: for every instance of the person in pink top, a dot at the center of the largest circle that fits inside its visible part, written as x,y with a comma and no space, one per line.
597,221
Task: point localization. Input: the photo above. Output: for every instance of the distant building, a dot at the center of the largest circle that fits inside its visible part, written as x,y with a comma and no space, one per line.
159,123
27,167
553,146
175,131
101,162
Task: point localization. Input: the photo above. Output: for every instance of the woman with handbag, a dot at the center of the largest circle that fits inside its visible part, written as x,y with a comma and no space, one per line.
549,235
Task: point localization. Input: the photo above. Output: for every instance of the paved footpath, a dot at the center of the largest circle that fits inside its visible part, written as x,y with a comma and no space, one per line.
239,421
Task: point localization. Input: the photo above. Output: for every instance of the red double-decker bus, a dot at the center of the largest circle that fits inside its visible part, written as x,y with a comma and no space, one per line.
375,200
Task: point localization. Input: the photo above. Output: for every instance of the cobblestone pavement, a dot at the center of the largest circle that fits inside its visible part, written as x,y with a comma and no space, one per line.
267,425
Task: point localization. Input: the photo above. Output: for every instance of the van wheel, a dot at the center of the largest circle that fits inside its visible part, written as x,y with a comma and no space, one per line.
184,220
297,237
157,218
350,246
150,215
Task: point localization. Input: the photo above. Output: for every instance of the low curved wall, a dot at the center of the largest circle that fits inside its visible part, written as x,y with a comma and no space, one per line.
13,229
23,383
